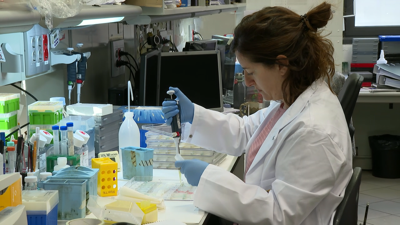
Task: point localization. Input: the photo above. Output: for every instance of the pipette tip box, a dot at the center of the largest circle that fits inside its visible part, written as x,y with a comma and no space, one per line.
9,102
41,206
45,112
8,120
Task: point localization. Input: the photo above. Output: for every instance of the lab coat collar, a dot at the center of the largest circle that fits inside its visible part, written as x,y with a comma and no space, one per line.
291,113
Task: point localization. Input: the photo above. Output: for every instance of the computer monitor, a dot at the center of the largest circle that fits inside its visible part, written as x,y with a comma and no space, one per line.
149,73
196,73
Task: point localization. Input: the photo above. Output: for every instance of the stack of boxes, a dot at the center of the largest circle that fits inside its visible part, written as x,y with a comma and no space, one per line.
165,149
365,54
107,118
9,106
106,131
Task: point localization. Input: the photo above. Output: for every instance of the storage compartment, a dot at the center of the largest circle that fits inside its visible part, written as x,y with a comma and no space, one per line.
45,112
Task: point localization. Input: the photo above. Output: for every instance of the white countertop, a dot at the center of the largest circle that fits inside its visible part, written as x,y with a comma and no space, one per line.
183,211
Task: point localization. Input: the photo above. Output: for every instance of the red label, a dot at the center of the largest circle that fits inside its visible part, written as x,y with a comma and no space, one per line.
45,132
83,132
45,48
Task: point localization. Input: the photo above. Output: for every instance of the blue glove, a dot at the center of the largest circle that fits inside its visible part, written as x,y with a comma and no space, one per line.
192,169
170,109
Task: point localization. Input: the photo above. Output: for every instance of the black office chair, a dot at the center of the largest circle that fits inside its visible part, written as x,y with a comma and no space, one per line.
348,97
347,211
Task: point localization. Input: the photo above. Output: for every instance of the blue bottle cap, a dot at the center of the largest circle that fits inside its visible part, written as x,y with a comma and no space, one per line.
70,124
63,128
55,127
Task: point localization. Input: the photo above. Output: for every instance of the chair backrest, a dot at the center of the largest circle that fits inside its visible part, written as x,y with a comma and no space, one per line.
347,211
349,93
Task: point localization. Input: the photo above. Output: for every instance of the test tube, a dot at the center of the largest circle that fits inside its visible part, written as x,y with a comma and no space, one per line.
12,157
56,140
70,127
64,141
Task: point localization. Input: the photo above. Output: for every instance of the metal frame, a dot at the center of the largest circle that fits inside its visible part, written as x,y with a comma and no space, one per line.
351,31
190,53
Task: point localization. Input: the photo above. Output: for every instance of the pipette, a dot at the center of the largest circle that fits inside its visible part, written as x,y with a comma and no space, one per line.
176,130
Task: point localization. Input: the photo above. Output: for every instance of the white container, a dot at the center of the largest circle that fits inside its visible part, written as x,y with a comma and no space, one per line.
61,163
30,183
81,109
43,176
85,149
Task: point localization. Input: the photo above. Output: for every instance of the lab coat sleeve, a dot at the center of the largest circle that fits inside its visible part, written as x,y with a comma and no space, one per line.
222,133
306,169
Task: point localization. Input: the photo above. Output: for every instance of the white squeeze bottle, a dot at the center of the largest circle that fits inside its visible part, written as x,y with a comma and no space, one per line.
129,135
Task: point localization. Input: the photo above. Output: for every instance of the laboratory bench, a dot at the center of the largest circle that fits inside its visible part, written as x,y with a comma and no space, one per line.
183,211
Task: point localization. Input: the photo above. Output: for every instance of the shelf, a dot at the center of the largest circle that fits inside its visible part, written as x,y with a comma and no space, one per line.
155,15
129,12
17,19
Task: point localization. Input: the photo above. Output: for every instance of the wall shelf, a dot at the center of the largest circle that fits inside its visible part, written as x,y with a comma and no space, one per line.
17,20
154,15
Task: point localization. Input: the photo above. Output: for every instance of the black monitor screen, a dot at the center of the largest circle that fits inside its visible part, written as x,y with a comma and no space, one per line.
148,78
196,74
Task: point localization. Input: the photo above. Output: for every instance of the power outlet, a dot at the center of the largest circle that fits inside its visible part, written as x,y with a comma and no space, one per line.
115,46
37,48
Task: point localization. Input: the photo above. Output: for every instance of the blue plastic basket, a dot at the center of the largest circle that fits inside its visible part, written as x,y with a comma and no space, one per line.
72,197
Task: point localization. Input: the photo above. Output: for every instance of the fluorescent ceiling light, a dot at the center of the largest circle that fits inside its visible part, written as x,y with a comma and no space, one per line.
99,21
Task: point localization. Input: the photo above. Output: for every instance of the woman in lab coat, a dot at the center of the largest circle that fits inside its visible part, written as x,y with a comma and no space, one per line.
298,150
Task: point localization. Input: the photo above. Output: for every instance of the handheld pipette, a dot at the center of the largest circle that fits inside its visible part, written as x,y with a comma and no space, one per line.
176,130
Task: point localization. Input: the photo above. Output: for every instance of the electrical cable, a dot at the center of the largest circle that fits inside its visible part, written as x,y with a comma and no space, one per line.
24,91
198,34
140,50
137,66
9,135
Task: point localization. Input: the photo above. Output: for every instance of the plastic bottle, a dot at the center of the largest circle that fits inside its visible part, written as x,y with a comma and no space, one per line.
64,141
238,91
30,183
56,138
382,59
129,135
70,132
61,163
43,176
12,158
85,149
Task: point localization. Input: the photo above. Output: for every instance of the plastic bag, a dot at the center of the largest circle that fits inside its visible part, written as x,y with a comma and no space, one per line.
56,8
384,142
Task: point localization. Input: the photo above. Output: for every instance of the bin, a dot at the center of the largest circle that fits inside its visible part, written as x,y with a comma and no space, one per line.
385,155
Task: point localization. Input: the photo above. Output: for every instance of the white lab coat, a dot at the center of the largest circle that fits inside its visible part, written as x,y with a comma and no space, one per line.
305,162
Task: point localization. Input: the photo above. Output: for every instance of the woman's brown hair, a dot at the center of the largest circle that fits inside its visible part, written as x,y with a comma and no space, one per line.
273,31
